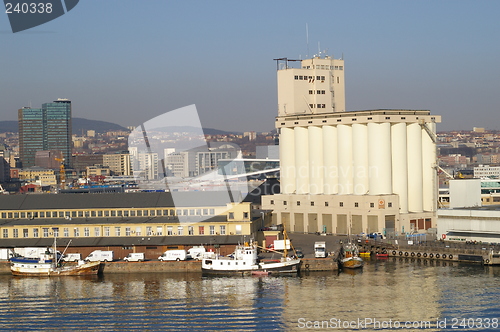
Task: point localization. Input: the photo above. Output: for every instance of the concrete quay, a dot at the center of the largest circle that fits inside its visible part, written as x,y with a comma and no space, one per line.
190,266
433,251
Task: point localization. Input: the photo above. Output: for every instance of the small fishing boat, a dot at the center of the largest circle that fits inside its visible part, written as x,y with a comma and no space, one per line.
46,266
350,256
49,264
382,255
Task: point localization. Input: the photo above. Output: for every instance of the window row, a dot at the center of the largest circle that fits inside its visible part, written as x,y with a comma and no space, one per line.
324,67
117,231
317,105
341,204
318,92
107,213
309,78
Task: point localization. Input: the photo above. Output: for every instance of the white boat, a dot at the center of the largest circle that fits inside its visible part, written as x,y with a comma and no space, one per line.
245,261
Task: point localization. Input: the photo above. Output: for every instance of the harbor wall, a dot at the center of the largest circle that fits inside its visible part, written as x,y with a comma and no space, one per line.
308,264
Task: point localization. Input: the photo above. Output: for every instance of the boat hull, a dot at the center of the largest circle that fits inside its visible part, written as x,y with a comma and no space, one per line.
91,268
288,267
352,262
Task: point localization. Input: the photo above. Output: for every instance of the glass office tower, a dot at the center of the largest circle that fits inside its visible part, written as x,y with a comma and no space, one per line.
46,128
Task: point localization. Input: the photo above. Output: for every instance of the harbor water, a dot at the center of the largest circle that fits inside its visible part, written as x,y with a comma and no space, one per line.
391,295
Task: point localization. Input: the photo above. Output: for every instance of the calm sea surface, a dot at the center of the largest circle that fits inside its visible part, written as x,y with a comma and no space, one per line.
393,294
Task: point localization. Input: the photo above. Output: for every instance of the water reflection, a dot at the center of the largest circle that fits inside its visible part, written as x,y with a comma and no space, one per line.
394,289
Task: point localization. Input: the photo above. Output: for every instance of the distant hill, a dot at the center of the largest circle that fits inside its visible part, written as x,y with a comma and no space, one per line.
189,129
79,124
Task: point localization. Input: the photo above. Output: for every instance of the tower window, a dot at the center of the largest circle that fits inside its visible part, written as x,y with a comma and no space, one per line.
296,77
326,203
312,203
341,204
298,203
311,92
356,204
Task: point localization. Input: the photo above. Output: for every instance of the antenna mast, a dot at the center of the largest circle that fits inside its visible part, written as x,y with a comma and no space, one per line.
307,40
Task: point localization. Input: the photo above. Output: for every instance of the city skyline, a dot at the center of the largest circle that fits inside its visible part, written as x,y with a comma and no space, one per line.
150,58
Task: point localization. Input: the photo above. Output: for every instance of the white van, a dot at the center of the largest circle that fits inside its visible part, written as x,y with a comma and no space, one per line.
72,257
135,257
100,255
173,255
196,252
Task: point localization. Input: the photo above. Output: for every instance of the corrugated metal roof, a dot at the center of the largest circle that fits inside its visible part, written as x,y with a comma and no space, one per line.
125,241
114,200
116,221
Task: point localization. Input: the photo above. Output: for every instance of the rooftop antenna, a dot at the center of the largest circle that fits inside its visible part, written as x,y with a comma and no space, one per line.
307,40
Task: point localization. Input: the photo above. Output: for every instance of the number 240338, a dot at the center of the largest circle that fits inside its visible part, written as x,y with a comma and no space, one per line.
31,8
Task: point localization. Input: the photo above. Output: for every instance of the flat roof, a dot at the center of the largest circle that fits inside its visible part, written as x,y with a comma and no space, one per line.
115,200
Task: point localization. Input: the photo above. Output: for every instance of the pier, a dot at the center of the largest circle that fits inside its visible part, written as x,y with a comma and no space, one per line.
436,250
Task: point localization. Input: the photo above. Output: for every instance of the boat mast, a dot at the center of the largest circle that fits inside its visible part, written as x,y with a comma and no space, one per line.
54,258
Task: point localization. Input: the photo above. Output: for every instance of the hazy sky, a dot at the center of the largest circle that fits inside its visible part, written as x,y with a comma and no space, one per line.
127,61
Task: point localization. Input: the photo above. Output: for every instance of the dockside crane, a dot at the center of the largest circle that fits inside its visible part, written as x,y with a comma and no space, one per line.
62,173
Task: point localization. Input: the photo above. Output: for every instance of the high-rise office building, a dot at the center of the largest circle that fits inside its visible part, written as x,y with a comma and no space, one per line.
350,172
45,128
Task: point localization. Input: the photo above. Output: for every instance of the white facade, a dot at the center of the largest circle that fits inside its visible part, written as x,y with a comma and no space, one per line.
465,193
368,158
148,166
316,87
487,171
377,152
469,225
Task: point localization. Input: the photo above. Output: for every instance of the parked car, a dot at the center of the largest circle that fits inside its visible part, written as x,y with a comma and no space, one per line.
376,235
299,252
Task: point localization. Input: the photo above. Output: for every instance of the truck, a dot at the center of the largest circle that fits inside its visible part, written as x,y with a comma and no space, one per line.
33,252
320,249
100,256
6,254
135,257
173,255
196,252
72,257
280,244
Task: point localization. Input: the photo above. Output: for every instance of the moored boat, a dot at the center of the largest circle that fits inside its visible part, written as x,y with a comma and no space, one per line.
45,266
245,261
350,256
49,264
382,255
